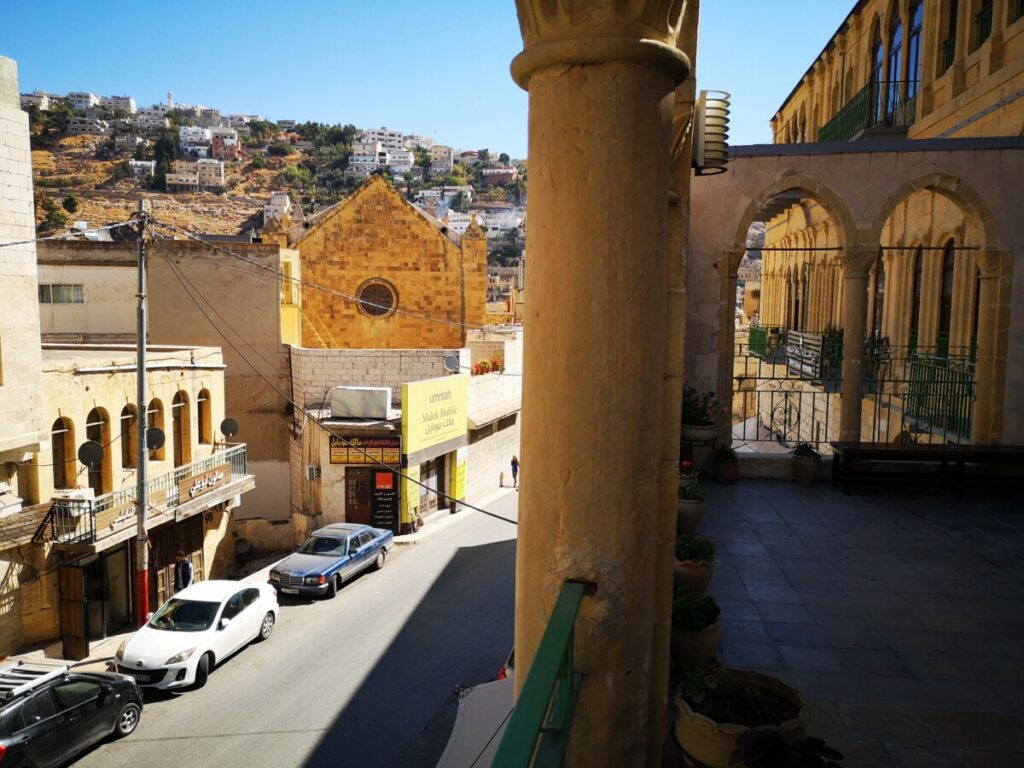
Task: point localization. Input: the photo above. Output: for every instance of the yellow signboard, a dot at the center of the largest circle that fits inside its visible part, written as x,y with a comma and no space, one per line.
371,449
434,411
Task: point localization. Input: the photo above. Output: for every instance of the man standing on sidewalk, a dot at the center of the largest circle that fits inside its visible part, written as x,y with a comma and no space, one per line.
182,571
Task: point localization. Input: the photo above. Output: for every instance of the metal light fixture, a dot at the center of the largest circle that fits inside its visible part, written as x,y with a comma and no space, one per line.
711,133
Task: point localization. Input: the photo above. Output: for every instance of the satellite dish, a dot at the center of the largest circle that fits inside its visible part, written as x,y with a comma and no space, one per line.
451,362
229,427
155,438
90,453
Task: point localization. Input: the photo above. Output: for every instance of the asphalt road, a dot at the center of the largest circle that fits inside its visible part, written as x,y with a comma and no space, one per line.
365,679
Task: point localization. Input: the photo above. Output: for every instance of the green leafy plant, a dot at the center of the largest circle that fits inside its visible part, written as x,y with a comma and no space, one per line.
691,492
697,548
693,614
805,449
698,407
761,748
732,696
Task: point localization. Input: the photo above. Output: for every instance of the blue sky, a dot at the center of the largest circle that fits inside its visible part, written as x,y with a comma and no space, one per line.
431,68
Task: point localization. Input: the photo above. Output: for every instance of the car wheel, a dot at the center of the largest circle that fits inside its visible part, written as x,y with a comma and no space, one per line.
203,670
267,626
332,587
382,557
127,720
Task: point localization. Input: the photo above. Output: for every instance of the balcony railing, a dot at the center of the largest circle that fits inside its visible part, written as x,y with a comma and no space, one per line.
88,521
815,356
940,394
538,729
889,103
948,53
982,26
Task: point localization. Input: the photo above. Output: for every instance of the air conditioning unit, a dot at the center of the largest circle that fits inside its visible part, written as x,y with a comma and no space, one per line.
361,402
73,494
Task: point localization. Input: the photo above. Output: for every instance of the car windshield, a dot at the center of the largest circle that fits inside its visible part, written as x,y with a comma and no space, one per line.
323,545
184,616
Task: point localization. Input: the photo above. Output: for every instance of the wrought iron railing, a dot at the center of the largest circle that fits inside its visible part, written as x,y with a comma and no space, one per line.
758,341
982,25
884,103
948,53
538,729
77,521
940,395
815,356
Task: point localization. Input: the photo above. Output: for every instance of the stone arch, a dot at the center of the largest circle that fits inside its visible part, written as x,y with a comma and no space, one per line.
957,191
821,193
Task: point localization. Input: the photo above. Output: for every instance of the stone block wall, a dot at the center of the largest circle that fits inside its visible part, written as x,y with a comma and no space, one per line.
490,454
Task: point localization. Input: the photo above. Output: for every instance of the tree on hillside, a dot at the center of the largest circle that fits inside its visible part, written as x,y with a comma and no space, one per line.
279,149
70,204
504,159
261,129
54,217
422,159
483,155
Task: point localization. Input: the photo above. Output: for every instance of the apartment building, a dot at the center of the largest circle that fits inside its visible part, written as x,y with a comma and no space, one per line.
224,144
142,168
401,161
442,159
499,175
40,99
197,175
279,206
368,156
82,100
125,104
411,140
88,126
390,140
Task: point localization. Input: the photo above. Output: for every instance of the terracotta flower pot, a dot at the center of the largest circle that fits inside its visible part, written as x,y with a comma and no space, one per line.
805,469
687,645
688,515
692,575
712,744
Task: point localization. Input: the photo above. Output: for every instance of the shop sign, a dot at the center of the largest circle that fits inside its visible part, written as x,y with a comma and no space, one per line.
434,411
197,485
384,501
368,449
113,519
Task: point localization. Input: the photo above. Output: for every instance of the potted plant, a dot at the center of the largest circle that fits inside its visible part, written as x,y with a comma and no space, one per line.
698,414
694,564
716,706
806,462
768,748
687,473
694,627
727,466
690,507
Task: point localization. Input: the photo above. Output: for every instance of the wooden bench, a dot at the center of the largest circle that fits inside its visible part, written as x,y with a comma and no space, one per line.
847,453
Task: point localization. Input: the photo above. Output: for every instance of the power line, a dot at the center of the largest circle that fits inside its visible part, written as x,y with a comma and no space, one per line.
72,236
325,289
187,284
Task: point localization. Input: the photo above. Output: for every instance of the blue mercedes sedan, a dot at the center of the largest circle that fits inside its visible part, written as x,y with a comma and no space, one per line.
331,556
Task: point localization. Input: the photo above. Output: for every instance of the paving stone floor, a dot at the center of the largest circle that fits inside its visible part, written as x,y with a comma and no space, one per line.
898,612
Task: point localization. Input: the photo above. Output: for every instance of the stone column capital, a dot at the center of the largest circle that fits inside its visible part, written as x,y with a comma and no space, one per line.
991,264
578,32
858,260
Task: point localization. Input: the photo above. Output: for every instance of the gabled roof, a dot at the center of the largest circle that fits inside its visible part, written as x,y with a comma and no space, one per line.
373,183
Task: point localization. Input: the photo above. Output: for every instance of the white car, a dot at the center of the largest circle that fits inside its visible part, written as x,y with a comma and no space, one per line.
196,630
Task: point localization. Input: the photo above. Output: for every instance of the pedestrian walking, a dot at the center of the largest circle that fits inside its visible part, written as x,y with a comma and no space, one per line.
515,472
183,571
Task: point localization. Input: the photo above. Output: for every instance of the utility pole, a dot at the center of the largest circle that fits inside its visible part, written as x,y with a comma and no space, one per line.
141,421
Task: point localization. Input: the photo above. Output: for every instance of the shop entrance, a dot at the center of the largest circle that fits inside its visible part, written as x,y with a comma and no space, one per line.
358,491
95,599
163,543
434,476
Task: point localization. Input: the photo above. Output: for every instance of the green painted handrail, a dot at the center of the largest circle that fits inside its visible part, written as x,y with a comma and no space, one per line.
538,729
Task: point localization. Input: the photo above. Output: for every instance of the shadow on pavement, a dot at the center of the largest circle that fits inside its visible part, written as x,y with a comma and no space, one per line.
460,633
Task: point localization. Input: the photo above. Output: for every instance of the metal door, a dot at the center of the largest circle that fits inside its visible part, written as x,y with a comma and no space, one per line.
357,495
73,612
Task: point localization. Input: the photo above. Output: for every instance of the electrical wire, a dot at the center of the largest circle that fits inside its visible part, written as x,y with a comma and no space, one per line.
191,291
66,236
324,289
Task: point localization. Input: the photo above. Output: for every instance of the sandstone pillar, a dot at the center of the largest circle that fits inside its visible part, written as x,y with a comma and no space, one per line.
856,264
993,329
600,78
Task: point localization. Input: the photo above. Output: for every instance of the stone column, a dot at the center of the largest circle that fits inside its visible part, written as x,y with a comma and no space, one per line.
993,335
600,77
727,264
856,263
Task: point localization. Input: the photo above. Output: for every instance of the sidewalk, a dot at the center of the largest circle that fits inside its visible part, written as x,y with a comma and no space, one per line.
102,651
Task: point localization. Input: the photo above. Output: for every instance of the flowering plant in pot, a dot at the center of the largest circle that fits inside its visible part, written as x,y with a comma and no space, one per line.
690,507
806,461
698,415
694,627
687,472
694,564
716,706
727,466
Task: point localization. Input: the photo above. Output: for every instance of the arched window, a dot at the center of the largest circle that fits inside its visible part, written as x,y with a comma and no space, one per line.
62,442
914,48
895,63
97,427
155,416
182,427
878,296
947,48
129,437
915,305
205,413
946,297
982,23
877,77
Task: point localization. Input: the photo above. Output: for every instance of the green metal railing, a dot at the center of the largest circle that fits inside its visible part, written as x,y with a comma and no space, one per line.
982,25
758,341
538,729
881,103
940,394
948,53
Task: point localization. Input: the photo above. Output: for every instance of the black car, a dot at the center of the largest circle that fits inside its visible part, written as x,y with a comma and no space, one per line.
50,714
